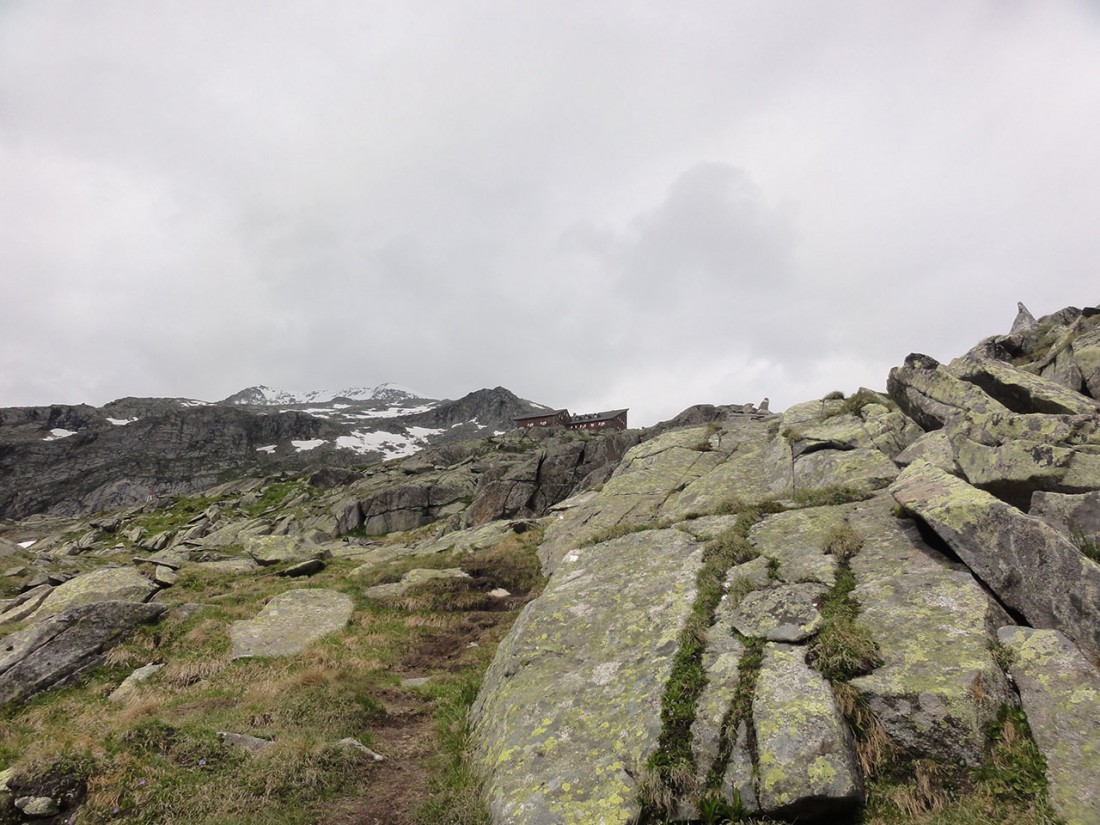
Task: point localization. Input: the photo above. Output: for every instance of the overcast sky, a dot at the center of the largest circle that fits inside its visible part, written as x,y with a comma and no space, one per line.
597,205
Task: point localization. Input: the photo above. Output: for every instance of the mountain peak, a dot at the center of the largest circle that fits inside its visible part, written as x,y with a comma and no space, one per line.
262,395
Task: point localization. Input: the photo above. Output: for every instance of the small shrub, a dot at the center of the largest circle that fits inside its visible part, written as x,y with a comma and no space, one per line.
835,395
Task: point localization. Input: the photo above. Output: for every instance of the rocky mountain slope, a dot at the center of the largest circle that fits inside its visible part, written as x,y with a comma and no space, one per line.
882,608
67,460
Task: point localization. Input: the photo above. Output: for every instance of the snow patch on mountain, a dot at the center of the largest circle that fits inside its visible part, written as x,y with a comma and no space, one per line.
392,445
58,433
265,396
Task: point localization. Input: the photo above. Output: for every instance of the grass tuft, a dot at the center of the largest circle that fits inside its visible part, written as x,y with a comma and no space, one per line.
829,496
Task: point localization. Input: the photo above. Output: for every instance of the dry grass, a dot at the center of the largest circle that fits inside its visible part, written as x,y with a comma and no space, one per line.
842,541
186,672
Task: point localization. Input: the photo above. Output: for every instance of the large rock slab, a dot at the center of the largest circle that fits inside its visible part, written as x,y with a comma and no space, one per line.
56,650
1021,391
749,463
721,660
108,584
806,764
1016,469
570,708
938,687
290,622
1076,516
930,395
1060,692
268,550
648,476
1029,565
864,469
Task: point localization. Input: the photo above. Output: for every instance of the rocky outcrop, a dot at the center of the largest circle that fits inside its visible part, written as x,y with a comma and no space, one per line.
1031,567
56,650
558,469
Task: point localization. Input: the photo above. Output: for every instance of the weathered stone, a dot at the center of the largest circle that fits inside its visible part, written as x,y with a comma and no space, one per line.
754,574
806,764
290,622
1016,469
570,706
236,532
861,469
472,539
1065,371
931,396
232,566
412,579
130,683
55,650
108,584
165,576
749,464
25,604
349,515
303,568
783,613
934,447
268,550
357,746
158,541
1060,692
1024,320
738,786
1020,391
1075,516
1030,566
938,687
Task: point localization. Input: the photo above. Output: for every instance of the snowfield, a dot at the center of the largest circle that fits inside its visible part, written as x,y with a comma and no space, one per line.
392,445
58,433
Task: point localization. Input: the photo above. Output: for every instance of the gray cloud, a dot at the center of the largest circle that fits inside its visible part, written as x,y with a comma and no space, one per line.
630,204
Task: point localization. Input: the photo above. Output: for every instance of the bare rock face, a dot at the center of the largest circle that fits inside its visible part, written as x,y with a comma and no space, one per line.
58,649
